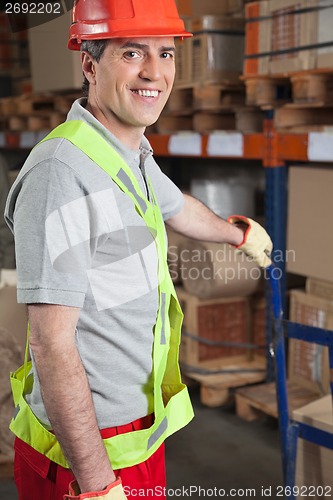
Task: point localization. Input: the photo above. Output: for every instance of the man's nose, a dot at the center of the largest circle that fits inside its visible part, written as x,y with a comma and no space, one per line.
151,68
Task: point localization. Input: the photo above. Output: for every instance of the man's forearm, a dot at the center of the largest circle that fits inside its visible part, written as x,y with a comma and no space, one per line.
68,402
199,222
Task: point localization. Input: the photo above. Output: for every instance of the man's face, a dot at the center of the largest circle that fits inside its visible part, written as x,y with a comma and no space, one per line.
133,80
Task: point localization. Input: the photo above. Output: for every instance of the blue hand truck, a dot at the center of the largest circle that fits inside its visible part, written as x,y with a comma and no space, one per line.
290,430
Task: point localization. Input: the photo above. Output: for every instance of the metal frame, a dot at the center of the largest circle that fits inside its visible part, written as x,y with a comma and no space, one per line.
290,430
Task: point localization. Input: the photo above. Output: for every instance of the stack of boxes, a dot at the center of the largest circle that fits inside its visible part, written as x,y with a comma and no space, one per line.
310,244
212,59
288,59
310,250
207,58
284,36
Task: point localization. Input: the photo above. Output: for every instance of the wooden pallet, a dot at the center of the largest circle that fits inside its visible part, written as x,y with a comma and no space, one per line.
180,102
205,108
265,91
35,112
215,388
254,402
305,88
35,122
302,119
302,101
244,120
210,97
218,97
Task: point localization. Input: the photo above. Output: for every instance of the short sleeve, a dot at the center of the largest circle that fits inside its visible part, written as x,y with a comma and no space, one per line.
169,196
54,222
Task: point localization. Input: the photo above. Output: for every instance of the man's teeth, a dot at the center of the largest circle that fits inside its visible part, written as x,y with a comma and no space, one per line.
147,93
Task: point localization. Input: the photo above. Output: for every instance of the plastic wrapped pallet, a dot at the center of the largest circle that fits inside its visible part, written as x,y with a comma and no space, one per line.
226,195
217,49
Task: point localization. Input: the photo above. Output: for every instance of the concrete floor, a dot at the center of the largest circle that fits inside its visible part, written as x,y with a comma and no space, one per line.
216,450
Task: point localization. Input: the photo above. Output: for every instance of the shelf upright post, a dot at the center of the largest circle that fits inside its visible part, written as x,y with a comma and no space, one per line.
275,220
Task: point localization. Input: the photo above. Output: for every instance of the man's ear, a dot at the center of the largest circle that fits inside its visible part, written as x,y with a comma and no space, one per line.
88,67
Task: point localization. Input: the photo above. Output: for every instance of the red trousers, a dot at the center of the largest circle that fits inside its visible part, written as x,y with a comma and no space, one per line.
37,478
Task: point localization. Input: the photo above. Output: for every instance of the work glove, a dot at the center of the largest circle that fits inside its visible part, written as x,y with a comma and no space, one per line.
257,244
112,492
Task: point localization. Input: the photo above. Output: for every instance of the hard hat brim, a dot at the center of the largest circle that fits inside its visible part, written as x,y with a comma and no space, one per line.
74,43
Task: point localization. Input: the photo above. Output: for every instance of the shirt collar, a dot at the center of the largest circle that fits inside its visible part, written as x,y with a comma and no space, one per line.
78,111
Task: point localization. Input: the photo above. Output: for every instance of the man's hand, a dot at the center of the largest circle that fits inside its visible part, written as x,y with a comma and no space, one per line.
257,244
112,492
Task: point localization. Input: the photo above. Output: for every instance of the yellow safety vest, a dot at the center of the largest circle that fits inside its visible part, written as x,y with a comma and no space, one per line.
172,406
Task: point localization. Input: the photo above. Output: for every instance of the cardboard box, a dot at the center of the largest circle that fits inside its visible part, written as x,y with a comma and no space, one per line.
53,66
215,320
275,26
309,239
320,288
217,49
324,56
291,31
314,463
309,362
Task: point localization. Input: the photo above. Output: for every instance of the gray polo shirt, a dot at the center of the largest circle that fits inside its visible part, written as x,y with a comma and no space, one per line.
80,242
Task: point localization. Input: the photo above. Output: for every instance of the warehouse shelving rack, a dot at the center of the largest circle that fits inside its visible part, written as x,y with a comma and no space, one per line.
275,150
290,429
283,148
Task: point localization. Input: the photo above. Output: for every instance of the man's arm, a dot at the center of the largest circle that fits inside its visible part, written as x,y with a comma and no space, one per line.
66,394
197,221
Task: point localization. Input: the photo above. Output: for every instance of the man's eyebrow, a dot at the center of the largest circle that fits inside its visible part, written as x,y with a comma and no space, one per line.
142,46
168,49
134,45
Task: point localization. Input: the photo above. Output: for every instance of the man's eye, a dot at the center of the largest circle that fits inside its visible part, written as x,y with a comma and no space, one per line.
167,55
131,54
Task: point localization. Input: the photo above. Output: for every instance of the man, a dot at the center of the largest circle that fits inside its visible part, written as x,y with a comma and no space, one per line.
87,213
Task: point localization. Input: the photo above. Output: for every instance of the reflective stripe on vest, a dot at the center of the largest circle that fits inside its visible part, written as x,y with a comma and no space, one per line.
172,406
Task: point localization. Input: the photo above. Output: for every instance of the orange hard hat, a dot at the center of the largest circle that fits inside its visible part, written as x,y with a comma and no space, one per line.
100,19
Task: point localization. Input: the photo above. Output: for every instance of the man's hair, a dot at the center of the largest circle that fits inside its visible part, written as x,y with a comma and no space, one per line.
95,48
